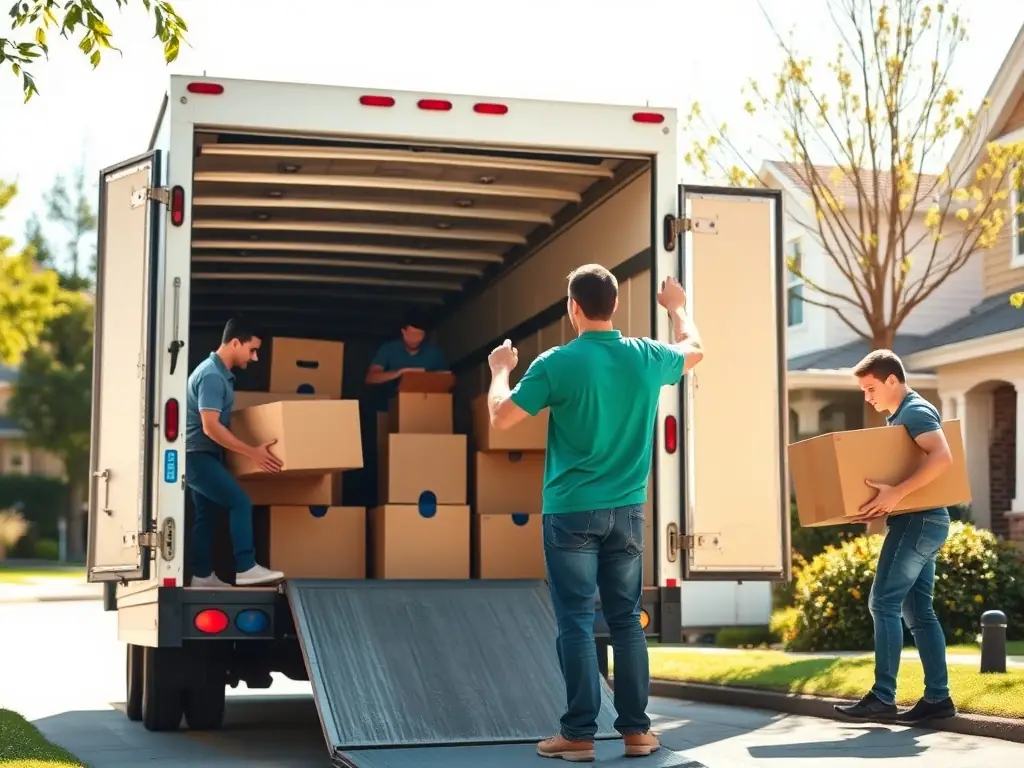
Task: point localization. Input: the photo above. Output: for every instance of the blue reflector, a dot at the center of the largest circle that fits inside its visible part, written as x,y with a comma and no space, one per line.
252,621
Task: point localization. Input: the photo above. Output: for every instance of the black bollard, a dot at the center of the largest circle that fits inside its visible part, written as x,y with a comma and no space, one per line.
993,642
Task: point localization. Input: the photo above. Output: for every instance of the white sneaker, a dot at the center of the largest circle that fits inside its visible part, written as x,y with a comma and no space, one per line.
209,581
257,575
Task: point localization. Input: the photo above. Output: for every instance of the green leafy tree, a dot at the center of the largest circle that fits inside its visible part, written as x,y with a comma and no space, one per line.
859,134
36,239
52,401
29,294
70,206
38,20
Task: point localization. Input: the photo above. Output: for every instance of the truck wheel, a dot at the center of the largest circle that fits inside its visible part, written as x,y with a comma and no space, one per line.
204,706
161,697
133,683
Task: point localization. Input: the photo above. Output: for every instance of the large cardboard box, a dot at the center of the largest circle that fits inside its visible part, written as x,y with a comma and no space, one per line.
508,547
508,482
424,413
249,399
427,381
314,437
531,434
306,366
410,545
414,465
301,490
318,542
829,472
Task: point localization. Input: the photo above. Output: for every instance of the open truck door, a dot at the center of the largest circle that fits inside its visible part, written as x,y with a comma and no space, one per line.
735,517
123,418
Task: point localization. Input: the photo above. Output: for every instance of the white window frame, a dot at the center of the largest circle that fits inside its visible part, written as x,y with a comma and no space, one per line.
1016,225
795,282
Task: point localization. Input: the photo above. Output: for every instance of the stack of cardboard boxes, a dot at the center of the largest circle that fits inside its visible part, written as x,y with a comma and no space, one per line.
420,530
317,437
508,480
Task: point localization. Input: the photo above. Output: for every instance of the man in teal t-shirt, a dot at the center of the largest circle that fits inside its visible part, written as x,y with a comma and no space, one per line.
602,391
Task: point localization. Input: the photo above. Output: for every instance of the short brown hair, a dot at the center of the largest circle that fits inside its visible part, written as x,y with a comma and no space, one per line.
882,363
595,289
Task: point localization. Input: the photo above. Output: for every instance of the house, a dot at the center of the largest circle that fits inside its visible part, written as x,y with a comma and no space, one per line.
16,458
977,360
821,347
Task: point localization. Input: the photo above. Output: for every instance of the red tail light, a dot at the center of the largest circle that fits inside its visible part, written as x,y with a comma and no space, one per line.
490,109
211,621
171,420
207,89
648,117
177,206
437,105
671,434
377,101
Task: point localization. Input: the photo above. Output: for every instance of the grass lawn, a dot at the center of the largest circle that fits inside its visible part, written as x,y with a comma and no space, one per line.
22,746
1001,695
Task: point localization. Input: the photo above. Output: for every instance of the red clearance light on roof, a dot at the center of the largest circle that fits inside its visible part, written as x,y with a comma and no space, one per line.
377,101
209,89
177,206
648,117
671,434
438,105
211,621
171,420
490,109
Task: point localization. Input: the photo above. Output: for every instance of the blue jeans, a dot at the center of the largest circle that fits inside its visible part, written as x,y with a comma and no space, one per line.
213,488
587,553
905,585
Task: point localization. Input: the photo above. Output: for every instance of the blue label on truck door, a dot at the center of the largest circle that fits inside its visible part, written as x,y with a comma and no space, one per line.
170,466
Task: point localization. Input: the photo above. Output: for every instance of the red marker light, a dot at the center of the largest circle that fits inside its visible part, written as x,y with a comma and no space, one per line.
206,89
490,109
435,105
671,434
377,101
211,621
171,420
648,117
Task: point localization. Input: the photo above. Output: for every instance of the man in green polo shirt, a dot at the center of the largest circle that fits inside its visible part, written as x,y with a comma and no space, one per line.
602,391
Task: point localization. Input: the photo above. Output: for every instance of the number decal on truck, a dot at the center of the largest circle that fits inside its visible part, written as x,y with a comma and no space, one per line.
170,466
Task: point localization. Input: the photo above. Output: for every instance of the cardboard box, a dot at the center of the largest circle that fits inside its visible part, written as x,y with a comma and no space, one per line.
314,437
303,491
409,545
531,434
249,399
829,471
306,366
414,465
422,413
318,542
508,547
508,482
427,381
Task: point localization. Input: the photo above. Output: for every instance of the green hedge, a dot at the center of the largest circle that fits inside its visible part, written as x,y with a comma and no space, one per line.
976,572
43,500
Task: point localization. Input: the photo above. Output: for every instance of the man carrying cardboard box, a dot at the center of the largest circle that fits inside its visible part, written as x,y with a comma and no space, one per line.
602,393
904,582
209,399
409,353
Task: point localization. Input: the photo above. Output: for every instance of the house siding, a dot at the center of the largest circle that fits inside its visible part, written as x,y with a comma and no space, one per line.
999,275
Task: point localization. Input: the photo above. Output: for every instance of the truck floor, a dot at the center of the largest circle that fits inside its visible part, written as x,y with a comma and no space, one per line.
432,664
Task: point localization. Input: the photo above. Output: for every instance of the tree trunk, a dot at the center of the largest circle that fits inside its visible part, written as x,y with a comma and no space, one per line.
76,523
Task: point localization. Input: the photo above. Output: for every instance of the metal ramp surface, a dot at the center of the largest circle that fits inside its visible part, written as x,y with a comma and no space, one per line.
608,755
404,664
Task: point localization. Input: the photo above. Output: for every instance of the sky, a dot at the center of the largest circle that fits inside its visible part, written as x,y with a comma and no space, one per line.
661,52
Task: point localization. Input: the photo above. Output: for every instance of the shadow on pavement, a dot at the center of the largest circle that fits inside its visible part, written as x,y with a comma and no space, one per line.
873,742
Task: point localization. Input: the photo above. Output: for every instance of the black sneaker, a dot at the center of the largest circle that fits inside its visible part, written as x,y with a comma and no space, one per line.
868,708
927,710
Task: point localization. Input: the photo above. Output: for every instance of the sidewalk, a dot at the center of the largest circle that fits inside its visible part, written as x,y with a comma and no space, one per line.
49,590
973,659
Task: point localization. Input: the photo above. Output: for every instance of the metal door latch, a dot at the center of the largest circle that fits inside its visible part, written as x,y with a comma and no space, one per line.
690,542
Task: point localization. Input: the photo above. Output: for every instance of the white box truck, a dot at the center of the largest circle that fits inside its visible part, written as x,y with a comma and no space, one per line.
326,212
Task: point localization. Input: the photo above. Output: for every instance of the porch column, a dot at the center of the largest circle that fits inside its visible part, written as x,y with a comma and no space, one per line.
808,415
1018,442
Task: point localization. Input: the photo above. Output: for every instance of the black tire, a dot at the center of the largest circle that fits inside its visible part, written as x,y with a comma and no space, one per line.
204,706
133,683
161,698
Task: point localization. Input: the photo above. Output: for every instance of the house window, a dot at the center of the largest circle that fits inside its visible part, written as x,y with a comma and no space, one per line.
1017,226
795,295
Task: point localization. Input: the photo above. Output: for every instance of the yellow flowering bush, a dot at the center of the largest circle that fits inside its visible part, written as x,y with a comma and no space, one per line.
976,572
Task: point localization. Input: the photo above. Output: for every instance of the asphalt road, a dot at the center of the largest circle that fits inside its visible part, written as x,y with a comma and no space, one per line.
63,668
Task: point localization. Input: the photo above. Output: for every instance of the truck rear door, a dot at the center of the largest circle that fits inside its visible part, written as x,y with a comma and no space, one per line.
735,516
121,457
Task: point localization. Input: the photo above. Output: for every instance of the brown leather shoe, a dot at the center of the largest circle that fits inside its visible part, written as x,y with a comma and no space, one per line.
641,744
571,751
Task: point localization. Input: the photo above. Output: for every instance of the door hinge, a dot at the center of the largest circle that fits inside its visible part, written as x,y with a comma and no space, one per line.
690,542
164,539
158,194
677,225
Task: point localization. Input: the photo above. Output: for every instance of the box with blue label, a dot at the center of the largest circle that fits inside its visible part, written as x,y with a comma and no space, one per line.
318,542
417,467
306,366
419,541
506,482
508,546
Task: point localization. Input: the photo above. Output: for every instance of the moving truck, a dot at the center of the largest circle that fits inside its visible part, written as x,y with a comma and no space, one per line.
327,212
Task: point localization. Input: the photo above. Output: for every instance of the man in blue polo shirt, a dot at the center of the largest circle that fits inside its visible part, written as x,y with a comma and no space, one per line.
904,584
602,391
210,397
411,352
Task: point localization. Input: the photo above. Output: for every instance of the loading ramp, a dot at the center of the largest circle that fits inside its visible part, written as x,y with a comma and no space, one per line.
446,673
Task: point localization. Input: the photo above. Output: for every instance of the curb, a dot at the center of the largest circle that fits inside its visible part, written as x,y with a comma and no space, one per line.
1006,729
